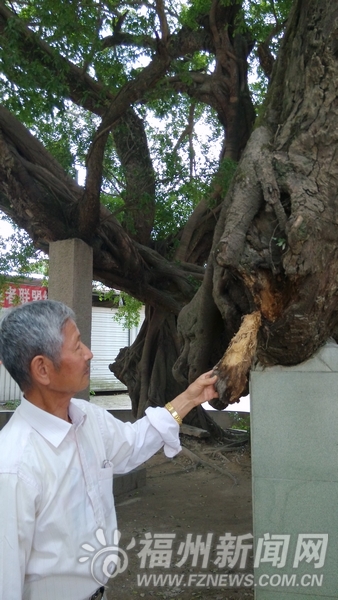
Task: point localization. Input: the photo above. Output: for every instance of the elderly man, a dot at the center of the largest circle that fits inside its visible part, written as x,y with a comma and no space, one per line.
58,455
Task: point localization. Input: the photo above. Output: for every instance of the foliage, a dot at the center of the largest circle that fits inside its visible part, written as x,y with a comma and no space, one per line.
225,174
11,405
128,312
258,86
266,20
262,16
78,35
18,257
239,421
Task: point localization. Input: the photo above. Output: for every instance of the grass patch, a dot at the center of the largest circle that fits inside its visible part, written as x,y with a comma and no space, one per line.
240,421
12,405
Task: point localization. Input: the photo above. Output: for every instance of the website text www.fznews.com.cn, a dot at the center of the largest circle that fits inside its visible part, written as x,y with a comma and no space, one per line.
229,580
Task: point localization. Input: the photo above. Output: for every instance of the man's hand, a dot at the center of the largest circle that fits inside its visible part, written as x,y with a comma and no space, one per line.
201,390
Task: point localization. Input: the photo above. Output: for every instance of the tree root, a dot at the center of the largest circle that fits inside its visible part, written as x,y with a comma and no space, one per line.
199,460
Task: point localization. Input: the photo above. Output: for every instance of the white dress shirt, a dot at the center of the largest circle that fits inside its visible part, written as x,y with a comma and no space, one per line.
56,494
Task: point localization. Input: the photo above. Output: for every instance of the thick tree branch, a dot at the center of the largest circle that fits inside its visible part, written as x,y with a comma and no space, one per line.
89,203
122,38
160,9
41,198
139,193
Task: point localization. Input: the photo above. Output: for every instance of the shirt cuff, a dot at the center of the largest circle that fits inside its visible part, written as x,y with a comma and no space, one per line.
168,428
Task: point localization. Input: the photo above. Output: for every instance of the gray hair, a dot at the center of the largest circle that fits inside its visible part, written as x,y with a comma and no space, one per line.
30,330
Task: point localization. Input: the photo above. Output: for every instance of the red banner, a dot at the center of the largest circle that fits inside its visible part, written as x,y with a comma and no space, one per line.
20,294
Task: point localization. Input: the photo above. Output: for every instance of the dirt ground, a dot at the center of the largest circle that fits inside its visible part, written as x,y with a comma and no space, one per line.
168,522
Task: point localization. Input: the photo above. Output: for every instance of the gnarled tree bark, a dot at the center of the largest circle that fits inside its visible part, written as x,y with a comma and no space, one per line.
275,247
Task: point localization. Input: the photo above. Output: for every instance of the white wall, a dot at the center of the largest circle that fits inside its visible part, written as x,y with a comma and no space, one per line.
9,390
108,337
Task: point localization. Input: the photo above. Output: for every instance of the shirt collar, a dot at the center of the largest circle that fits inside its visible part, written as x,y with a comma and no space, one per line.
52,428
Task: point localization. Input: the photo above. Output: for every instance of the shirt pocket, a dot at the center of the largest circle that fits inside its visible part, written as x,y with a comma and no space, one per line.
106,489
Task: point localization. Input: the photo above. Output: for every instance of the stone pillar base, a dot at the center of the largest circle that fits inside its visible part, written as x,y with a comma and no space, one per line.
70,281
294,430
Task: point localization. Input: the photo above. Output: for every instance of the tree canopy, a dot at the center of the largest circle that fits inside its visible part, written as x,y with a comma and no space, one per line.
148,73
157,103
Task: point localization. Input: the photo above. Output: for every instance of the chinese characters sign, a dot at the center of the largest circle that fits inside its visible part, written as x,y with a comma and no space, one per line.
20,294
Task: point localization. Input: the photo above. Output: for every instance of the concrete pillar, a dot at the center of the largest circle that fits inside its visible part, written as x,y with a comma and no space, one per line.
294,429
70,281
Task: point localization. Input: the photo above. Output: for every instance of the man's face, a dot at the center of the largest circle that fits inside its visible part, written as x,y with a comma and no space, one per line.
72,374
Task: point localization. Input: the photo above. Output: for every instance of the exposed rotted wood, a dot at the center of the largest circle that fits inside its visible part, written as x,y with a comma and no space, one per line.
233,368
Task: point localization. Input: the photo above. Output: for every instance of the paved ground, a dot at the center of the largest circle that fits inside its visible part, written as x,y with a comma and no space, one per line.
115,401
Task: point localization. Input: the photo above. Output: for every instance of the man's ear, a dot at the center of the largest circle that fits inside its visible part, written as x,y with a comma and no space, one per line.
39,369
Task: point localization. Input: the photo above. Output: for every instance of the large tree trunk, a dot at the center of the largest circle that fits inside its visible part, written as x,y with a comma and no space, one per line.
145,366
139,196
275,246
